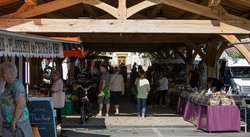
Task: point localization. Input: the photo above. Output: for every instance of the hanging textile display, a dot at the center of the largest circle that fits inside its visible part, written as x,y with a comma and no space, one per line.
15,46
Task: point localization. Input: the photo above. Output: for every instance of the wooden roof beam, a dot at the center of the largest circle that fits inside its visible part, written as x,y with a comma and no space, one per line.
242,2
213,3
197,49
104,6
140,6
242,49
6,2
43,9
155,11
180,54
91,11
200,10
31,2
127,26
122,10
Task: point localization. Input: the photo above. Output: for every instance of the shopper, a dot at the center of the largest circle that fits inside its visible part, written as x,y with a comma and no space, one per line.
58,96
15,113
2,86
143,88
194,78
162,89
103,85
215,83
116,88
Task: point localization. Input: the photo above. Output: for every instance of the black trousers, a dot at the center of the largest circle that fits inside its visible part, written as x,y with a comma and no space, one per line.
58,115
161,94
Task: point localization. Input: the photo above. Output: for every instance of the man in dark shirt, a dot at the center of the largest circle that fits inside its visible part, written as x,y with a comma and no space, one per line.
214,82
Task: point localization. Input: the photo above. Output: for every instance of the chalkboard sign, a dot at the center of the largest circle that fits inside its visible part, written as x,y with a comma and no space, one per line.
42,115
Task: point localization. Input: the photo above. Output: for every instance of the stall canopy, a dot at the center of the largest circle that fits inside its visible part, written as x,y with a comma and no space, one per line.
17,44
74,50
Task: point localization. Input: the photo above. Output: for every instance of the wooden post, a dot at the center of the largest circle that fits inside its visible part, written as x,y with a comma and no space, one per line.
211,57
72,67
188,65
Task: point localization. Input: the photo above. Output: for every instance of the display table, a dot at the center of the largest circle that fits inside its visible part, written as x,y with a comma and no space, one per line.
213,118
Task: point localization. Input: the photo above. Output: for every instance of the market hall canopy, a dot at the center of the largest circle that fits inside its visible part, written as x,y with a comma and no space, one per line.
16,44
159,27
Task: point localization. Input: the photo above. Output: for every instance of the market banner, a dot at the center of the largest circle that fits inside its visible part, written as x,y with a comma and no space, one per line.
15,46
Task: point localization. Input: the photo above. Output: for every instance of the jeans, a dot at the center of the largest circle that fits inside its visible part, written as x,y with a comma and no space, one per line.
141,102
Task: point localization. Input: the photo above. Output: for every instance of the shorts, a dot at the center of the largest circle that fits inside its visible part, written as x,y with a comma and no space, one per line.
116,97
101,99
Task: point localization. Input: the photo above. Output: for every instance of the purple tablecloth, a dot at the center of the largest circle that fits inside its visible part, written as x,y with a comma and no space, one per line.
181,105
213,118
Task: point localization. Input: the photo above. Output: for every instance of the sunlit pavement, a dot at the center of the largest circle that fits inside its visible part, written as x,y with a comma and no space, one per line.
159,122
129,125
147,132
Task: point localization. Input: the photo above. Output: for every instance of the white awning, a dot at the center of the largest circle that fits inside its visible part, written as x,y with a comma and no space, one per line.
15,44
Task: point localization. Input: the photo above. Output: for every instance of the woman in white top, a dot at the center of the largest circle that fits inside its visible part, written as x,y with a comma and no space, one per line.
58,95
143,88
116,88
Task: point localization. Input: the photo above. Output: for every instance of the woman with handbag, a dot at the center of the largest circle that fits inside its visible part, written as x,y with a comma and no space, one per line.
15,113
116,88
104,86
58,96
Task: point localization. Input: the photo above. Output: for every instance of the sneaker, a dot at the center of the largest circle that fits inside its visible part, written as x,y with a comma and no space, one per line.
116,113
58,127
143,116
98,115
107,115
139,115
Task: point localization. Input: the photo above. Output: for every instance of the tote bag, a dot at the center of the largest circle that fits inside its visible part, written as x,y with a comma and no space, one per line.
58,99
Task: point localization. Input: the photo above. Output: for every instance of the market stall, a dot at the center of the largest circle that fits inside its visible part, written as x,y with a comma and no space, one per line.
212,112
27,51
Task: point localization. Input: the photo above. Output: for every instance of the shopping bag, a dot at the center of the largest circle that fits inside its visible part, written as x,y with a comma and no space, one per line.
106,93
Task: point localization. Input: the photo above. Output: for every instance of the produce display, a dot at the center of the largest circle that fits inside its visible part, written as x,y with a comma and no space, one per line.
206,97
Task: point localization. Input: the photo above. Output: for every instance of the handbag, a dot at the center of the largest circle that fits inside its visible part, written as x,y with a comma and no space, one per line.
59,99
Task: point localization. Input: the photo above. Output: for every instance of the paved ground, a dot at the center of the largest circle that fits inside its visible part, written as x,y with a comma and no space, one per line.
159,122
147,132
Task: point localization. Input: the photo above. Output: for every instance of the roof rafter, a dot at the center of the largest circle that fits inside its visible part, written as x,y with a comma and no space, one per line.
243,2
140,6
233,39
213,3
31,2
43,9
201,10
155,10
6,2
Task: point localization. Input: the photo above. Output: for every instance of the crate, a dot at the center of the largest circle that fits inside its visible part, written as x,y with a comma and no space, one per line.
68,108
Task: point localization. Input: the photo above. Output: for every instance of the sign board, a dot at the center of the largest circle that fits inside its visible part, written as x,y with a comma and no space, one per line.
42,115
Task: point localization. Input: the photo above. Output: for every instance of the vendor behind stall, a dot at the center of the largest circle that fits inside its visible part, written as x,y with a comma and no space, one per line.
214,82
